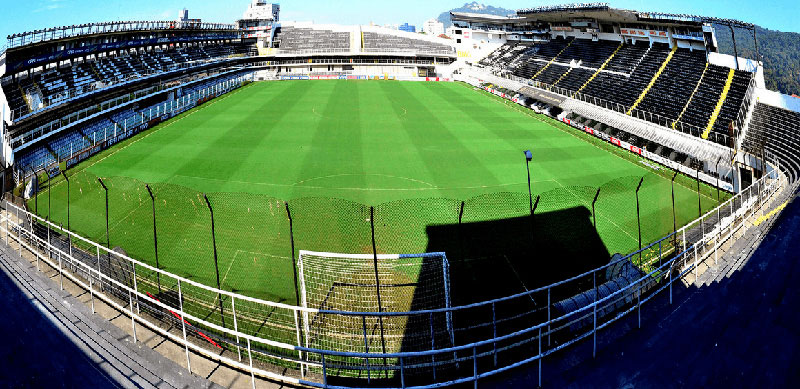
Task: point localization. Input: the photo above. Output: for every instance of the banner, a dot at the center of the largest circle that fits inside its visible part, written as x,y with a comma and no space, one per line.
652,157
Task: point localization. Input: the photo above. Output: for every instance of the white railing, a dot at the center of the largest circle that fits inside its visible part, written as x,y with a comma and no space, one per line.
125,283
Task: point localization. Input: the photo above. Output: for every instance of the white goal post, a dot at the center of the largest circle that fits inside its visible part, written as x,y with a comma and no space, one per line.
369,283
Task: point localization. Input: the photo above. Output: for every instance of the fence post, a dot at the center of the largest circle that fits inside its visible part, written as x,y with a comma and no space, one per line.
297,331
494,333
216,264
108,240
294,259
183,325
377,281
236,327
155,236
540,358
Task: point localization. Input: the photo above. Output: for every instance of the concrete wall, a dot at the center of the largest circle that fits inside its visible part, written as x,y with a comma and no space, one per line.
777,99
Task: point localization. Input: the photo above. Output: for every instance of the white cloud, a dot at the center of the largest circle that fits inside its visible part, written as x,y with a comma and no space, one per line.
50,5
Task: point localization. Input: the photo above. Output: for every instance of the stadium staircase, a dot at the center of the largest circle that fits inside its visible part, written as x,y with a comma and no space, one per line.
602,67
720,103
653,81
357,41
25,98
688,102
552,60
564,75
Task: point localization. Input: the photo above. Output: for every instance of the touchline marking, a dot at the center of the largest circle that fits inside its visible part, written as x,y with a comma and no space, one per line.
157,129
359,189
365,174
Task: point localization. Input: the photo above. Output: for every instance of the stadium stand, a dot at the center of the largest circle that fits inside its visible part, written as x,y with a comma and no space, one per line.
56,85
669,87
768,131
307,39
383,42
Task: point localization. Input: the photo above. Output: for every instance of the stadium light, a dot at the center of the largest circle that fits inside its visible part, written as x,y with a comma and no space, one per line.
594,219
528,159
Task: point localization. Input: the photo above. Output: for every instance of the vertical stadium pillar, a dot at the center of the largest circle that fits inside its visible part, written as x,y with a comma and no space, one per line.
735,51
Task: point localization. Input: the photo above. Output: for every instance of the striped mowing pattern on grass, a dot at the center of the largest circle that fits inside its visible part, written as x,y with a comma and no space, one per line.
426,155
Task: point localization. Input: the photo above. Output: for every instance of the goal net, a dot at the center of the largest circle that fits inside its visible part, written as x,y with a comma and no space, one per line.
364,283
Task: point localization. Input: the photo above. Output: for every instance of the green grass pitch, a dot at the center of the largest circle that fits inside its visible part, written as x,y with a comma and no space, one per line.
334,148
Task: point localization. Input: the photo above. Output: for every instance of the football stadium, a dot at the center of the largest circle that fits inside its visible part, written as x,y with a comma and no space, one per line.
357,206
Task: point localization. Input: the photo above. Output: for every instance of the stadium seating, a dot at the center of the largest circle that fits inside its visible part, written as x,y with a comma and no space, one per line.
383,42
774,129
306,39
55,85
674,87
688,89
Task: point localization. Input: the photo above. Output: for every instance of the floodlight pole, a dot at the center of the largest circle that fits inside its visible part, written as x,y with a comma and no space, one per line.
594,219
155,235
699,204
377,279
216,264
674,219
638,218
528,158
63,173
294,260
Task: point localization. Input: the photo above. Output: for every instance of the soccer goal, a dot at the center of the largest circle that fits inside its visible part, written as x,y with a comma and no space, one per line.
369,283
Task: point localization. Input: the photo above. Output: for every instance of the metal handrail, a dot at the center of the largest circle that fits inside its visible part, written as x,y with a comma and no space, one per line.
634,287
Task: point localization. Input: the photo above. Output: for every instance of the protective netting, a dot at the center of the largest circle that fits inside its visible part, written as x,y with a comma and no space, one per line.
362,283
494,246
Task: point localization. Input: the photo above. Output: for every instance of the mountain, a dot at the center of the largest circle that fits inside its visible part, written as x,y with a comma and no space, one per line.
780,52
476,8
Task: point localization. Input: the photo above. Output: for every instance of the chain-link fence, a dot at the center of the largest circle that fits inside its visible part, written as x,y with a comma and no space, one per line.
187,239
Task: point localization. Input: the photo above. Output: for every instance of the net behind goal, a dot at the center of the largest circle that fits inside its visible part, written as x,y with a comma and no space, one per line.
360,283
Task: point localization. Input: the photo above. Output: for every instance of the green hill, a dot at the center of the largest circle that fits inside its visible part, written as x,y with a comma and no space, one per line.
780,52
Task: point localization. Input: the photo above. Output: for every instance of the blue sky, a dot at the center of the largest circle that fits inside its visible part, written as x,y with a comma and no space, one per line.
26,15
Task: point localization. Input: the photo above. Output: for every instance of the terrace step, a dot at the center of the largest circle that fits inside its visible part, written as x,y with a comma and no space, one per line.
603,66
552,60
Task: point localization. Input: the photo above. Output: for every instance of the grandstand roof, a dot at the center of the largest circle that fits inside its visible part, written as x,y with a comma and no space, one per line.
602,12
